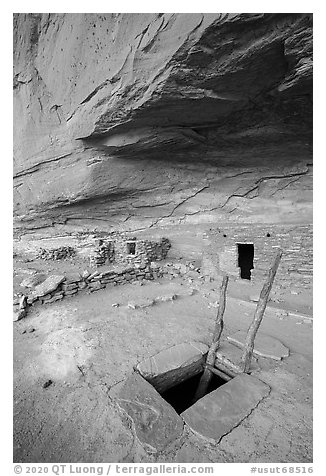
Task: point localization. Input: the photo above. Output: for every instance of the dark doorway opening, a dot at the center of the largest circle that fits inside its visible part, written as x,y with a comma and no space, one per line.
131,248
245,259
181,396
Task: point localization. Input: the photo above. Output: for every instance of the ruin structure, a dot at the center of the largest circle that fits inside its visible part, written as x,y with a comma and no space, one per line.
124,250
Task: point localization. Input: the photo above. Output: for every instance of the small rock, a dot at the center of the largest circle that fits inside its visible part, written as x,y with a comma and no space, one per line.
85,274
69,287
193,274
47,384
154,265
18,315
22,302
71,292
141,304
95,286
183,268
31,299
115,304
169,297
254,297
29,330
55,297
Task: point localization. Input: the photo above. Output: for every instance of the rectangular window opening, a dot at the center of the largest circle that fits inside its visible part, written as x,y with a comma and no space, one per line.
131,248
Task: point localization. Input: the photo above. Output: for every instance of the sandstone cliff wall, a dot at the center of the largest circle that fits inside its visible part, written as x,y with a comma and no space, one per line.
128,121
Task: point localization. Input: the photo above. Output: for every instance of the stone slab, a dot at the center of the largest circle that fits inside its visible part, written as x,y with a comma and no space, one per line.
69,287
56,297
216,414
265,346
156,423
49,285
32,281
173,365
72,278
234,353
179,355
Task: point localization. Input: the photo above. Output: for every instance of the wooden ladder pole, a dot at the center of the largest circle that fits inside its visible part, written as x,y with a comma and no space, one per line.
210,359
218,372
259,314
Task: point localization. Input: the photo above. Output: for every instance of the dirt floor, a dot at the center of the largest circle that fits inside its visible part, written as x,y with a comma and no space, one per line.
84,345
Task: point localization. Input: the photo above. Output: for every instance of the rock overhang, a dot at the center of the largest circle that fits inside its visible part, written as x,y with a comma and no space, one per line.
193,89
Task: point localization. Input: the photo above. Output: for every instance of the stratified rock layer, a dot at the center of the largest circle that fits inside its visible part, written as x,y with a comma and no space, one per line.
156,118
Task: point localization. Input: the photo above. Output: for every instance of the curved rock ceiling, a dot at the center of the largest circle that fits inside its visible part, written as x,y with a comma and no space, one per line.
138,120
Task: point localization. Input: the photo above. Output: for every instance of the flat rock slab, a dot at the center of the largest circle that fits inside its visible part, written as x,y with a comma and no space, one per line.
179,355
173,365
49,285
32,281
234,353
265,346
156,423
216,414
141,304
73,278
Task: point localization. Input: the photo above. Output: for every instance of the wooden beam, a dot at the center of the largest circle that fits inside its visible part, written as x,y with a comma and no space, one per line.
218,372
219,324
227,363
218,365
210,359
259,314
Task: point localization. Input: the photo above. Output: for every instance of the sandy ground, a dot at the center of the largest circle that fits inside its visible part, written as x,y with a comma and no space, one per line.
85,346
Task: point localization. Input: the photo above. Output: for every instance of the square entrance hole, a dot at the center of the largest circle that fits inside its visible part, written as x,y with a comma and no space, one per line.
182,395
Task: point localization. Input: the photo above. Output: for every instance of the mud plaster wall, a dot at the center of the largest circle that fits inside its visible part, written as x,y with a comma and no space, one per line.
295,270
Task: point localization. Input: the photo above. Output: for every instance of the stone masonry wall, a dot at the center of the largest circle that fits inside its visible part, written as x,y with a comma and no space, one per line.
55,288
117,250
72,284
295,270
